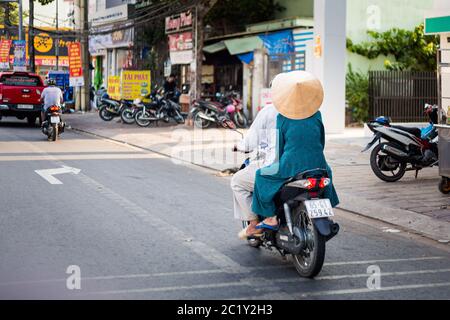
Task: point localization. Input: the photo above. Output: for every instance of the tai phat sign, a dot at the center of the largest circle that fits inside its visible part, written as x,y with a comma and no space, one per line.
179,22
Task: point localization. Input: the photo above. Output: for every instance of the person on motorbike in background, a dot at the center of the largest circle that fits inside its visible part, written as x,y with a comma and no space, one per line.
170,87
50,96
261,138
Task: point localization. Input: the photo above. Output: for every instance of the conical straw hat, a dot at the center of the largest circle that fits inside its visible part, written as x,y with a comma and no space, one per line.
296,94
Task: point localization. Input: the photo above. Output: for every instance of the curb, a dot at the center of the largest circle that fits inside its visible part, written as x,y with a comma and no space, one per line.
407,220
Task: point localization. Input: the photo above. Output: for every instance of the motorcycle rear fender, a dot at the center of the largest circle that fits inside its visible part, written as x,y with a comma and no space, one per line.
376,137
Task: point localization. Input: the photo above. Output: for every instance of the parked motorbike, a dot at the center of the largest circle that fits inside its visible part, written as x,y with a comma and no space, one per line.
111,108
227,106
305,221
403,148
161,107
234,108
53,125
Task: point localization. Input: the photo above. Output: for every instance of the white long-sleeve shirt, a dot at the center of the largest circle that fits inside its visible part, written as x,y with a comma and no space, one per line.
261,137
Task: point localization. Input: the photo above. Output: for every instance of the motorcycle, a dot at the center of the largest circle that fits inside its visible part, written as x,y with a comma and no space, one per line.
305,223
404,148
53,126
111,108
234,108
161,108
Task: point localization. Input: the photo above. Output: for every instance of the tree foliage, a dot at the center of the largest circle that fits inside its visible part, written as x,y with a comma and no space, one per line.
412,50
357,94
229,16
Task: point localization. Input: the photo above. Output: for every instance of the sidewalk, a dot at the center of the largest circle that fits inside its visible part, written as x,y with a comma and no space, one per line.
414,205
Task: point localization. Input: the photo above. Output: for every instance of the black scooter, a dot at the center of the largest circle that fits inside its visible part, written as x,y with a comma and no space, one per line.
304,216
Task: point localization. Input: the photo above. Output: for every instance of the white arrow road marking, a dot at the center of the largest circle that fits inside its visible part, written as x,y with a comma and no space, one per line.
48,174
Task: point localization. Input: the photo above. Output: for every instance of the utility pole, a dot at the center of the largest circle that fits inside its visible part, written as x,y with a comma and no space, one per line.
31,37
57,36
20,21
85,99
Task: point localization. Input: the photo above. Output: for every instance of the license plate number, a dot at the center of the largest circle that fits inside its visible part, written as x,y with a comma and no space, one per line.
319,208
25,106
54,119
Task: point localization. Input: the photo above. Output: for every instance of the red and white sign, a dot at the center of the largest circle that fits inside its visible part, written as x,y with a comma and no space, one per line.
5,47
265,98
180,41
179,22
75,65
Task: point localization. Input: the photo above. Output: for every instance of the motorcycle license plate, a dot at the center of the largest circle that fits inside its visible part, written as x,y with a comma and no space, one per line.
320,208
54,119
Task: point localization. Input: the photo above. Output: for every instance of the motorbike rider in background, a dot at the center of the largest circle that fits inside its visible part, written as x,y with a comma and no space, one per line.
50,96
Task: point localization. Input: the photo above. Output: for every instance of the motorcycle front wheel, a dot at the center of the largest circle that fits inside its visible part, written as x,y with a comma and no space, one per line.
310,262
104,114
444,185
384,166
240,119
141,120
201,123
178,117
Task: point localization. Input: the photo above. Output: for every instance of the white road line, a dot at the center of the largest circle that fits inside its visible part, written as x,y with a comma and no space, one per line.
248,269
175,288
366,290
341,263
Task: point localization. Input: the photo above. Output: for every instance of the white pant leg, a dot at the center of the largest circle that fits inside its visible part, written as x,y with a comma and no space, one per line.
242,185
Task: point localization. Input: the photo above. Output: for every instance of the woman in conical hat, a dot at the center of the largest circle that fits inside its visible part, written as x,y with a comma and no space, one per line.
297,96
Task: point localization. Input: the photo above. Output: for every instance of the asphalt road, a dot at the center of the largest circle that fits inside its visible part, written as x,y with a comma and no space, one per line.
141,227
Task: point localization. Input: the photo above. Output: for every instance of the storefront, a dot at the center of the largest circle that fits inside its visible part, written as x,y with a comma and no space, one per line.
111,42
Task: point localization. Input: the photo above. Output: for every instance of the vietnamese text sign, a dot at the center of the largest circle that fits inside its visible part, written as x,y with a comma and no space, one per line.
135,84
180,41
179,22
114,87
5,46
75,65
20,55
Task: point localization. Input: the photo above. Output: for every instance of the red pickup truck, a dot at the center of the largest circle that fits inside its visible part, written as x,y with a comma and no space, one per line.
20,94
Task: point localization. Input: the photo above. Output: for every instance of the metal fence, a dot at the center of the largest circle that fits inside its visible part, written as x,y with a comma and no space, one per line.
401,95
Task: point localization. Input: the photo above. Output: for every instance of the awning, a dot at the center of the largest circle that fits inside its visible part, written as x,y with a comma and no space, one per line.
236,46
242,45
215,47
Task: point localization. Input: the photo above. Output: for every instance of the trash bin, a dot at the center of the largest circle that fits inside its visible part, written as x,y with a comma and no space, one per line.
444,158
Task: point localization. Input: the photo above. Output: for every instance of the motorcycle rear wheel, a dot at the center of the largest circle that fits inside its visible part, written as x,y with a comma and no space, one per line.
127,116
444,185
55,130
376,161
104,114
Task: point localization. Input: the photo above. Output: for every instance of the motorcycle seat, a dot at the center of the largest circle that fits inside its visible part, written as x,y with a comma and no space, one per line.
414,131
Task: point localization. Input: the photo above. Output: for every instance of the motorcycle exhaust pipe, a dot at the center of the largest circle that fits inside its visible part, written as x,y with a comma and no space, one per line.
395,152
334,228
204,116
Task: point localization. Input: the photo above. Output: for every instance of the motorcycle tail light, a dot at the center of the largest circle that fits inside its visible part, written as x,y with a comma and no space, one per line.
324,182
54,108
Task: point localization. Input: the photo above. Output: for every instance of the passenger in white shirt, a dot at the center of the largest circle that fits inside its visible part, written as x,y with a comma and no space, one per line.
261,140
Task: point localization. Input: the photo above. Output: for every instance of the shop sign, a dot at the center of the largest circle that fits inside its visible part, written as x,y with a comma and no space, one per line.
135,84
181,57
20,55
114,87
115,39
75,65
117,13
5,46
180,41
179,22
